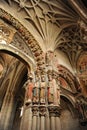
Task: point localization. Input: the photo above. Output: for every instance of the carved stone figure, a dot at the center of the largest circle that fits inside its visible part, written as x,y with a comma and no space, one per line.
56,90
50,90
42,89
49,60
53,90
29,89
36,91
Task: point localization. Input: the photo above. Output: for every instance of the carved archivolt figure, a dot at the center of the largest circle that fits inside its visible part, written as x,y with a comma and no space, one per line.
42,89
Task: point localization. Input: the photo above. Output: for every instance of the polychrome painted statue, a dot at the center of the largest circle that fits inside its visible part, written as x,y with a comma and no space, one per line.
50,90
36,91
42,90
29,90
56,90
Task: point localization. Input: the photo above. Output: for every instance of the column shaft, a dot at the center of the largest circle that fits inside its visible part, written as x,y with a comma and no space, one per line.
34,123
42,123
58,125
47,122
26,121
52,123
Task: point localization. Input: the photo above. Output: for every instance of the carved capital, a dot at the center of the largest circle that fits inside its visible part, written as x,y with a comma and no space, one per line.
54,110
35,110
42,111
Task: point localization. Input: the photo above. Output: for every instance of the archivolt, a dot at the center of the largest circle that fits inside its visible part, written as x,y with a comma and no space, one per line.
25,34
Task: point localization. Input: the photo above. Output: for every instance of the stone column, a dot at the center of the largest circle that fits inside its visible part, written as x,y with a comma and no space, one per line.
54,113
7,112
35,115
47,121
26,121
42,112
58,123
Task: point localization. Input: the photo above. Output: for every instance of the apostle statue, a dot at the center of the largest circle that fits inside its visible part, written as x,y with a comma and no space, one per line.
42,89
29,89
50,90
36,90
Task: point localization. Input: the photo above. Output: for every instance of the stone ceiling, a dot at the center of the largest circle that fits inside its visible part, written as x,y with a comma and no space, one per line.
55,24
45,19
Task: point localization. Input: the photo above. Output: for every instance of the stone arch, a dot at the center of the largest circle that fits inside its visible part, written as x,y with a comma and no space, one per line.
72,101
12,91
25,34
18,54
69,118
68,77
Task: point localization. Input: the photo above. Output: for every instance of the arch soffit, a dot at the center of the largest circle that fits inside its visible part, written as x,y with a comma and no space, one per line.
68,76
18,54
71,100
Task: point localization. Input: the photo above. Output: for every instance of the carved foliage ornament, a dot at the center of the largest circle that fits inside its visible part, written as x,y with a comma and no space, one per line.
6,33
43,111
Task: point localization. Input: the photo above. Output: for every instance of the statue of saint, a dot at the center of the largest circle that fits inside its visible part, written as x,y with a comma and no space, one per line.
50,90
36,91
49,60
42,89
29,89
